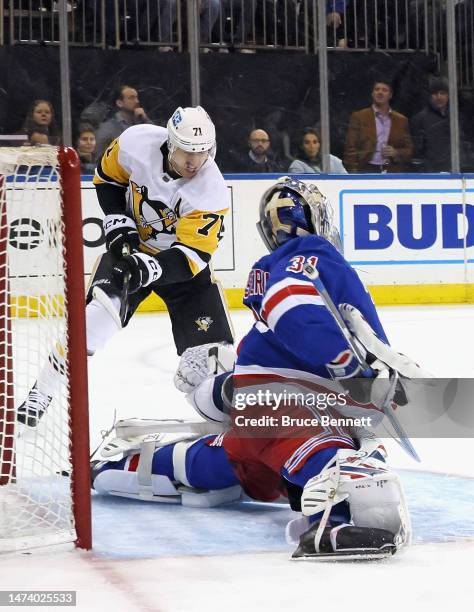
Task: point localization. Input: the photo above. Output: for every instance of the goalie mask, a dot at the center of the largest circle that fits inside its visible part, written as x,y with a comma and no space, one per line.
191,130
291,208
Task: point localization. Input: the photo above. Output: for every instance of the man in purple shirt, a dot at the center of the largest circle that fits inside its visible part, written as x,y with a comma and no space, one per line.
378,138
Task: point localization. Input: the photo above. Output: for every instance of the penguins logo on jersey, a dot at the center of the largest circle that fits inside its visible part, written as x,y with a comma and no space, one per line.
151,216
204,323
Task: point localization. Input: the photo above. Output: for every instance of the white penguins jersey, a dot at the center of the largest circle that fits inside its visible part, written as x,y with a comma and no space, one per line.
187,214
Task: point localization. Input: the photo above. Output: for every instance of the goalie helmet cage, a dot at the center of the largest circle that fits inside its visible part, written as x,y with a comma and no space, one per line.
44,471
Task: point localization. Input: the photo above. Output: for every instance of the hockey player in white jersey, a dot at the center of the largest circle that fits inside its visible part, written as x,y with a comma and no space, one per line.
352,503
164,201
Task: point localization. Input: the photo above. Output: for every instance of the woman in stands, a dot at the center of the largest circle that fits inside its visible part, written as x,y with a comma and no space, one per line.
309,160
40,119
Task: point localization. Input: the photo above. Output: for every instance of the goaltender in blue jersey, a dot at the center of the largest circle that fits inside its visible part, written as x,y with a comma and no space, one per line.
336,475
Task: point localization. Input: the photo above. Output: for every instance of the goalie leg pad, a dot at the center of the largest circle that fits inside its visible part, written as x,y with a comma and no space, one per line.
190,472
137,428
113,478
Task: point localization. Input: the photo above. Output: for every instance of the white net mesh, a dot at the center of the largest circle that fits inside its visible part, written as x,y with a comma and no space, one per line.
35,487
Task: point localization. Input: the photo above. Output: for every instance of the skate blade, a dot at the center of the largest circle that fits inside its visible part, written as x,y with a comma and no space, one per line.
349,555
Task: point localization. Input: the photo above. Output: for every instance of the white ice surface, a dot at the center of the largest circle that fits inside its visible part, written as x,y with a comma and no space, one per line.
152,557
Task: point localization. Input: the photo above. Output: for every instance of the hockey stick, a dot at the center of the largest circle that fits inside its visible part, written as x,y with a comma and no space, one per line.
126,284
313,275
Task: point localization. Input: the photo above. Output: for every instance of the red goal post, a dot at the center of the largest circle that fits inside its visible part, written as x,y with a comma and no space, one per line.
44,472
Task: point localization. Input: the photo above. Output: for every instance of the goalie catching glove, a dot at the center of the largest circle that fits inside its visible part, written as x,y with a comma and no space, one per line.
119,231
142,269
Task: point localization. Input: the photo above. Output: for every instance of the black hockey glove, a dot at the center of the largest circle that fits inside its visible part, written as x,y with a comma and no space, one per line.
142,270
120,230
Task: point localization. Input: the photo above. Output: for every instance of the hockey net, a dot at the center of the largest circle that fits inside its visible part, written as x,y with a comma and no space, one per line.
44,471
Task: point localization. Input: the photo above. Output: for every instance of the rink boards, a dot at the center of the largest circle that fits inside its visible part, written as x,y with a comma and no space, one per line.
411,237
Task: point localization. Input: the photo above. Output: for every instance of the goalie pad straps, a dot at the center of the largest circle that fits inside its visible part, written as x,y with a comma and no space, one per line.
195,497
320,494
324,519
179,461
144,468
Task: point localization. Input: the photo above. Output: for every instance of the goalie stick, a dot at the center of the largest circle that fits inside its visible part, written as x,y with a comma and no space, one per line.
313,275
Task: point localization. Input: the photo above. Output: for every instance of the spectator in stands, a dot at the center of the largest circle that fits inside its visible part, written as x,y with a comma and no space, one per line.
336,21
378,139
129,112
431,131
209,11
40,123
86,148
38,137
309,160
259,157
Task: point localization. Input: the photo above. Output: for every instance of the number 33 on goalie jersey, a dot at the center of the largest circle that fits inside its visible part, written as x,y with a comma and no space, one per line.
186,214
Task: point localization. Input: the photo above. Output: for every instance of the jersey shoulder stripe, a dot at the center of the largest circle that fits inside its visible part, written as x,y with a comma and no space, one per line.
285,295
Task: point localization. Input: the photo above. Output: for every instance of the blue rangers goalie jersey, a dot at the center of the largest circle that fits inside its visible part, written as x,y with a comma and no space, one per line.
294,329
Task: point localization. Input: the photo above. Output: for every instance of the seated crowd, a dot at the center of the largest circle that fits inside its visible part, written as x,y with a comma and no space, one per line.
378,138
228,25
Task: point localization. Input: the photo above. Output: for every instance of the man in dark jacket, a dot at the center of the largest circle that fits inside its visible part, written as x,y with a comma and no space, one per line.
259,157
430,130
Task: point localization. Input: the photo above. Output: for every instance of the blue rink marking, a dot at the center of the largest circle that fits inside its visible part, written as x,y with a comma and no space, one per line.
441,508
